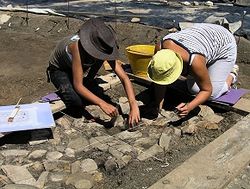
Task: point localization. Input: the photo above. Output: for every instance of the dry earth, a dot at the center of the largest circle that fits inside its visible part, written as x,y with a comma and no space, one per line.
24,53
25,49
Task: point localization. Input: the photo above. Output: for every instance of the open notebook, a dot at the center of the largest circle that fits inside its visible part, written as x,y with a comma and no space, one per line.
232,96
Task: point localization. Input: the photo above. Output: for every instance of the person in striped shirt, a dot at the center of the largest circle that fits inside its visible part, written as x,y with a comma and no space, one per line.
205,54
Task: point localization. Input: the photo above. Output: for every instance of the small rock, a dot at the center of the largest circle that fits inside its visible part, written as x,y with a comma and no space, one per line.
177,132
147,121
154,133
57,177
37,154
56,137
100,142
70,152
53,155
96,112
186,3
4,18
195,3
97,177
79,144
108,77
126,158
114,82
122,162
36,142
211,126
125,108
165,140
37,166
214,118
88,165
104,86
145,142
193,120
166,114
75,177
60,148
161,121
135,20
208,125
154,150
78,123
114,152
64,122
123,100
111,166
119,122
9,6
205,111
42,179
83,184
57,165
129,135
189,129
209,3
15,153
75,167
123,148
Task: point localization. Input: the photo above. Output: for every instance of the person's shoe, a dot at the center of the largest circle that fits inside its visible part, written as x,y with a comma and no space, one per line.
235,74
235,70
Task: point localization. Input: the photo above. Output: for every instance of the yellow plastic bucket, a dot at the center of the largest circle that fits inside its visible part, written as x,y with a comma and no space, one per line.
139,57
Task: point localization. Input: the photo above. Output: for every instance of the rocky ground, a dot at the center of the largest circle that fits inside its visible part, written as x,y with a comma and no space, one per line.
87,152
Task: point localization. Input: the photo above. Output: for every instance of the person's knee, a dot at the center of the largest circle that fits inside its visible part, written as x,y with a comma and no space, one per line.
218,91
74,101
70,97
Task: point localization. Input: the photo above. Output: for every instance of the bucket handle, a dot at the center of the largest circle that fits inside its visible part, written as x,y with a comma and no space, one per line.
138,52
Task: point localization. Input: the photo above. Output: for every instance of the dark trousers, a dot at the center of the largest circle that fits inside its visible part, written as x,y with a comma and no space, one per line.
63,81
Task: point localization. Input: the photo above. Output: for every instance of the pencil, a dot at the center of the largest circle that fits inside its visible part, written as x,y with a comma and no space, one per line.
14,112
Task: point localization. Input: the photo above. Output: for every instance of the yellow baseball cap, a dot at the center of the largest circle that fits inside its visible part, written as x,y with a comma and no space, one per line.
165,67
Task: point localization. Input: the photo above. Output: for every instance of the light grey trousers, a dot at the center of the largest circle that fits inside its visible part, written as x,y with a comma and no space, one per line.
218,73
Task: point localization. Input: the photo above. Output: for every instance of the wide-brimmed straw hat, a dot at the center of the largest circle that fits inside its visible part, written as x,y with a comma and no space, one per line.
165,67
98,40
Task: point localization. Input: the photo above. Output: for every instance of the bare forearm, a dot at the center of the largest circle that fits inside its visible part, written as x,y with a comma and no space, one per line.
88,95
201,97
134,115
129,91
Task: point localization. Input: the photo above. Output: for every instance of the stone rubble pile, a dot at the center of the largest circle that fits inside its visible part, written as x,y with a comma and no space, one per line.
83,151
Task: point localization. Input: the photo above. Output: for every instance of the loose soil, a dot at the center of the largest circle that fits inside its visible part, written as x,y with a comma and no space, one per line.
24,53
26,46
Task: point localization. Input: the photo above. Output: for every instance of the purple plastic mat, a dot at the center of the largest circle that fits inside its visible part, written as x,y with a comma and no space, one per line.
50,97
232,96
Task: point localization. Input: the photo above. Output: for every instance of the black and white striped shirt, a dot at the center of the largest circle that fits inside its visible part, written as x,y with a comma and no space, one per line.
210,40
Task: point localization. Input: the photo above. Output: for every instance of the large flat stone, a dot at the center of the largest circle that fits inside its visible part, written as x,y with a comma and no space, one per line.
18,174
243,104
216,164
